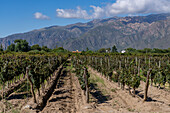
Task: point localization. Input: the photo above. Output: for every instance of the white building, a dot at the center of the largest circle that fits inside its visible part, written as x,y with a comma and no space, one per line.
123,51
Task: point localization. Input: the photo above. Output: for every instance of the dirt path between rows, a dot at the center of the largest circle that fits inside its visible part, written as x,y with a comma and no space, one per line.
105,97
68,96
62,99
122,101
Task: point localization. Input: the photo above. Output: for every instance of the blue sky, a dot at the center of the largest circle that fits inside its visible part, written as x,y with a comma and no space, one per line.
17,16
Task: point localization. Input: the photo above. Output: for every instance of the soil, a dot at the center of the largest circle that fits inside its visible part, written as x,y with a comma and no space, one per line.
68,96
62,99
15,101
121,101
105,97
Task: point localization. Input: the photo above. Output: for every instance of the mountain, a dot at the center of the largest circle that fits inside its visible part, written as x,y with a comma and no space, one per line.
152,31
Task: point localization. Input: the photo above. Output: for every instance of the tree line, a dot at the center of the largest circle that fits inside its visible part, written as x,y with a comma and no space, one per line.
129,50
20,45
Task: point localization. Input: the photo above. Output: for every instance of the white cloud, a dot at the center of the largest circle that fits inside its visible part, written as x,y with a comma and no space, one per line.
70,13
128,7
98,12
39,15
138,7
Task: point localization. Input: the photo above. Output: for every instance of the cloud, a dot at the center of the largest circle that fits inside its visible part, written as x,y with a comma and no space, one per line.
120,7
138,7
70,13
39,15
98,12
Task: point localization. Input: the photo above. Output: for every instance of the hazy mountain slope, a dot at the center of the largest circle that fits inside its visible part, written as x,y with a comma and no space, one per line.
136,35
138,32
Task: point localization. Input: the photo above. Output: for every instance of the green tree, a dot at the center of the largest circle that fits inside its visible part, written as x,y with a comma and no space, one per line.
87,49
130,50
102,50
147,50
45,48
1,48
36,47
114,49
156,50
21,45
59,49
11,47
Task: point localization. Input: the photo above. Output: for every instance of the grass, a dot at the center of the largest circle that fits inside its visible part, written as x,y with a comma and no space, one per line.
113,90
15,111
95,79
131,110
24,87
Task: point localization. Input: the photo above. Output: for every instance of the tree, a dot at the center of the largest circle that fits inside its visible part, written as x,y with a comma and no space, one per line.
1,48
25,46
102,50
11,47
21,45
114,49
156,50
59,49
130,50
147,50
18,47
45,48
87,49
36,47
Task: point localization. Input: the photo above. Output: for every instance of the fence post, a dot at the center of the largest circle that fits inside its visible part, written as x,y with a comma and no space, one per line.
86,84
147,85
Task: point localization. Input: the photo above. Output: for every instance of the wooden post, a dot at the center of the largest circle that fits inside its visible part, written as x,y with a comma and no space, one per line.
125,63
159,64
108,63
139,68
119,64
147,85
31,83
101,61
4,109
149,62
86,84
119,75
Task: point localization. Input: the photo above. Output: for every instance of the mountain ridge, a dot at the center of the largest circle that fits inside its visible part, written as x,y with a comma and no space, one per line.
152,31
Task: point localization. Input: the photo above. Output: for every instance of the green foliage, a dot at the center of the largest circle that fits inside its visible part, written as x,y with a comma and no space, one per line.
21,45
79,65
114,49
59,49
130,50
40,67
45,48
124,68
1,48
102,50
11,47
36,47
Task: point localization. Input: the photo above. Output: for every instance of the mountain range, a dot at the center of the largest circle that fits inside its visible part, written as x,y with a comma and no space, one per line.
152,31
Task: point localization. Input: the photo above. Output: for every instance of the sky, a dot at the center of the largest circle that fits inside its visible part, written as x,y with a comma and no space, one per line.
18,16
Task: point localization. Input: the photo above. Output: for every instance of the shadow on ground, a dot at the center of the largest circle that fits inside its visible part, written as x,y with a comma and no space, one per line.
19,96
101,98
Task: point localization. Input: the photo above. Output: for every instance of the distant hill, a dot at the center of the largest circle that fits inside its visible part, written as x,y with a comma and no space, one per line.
152,31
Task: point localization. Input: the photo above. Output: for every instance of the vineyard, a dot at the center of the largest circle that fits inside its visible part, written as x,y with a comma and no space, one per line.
84,83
